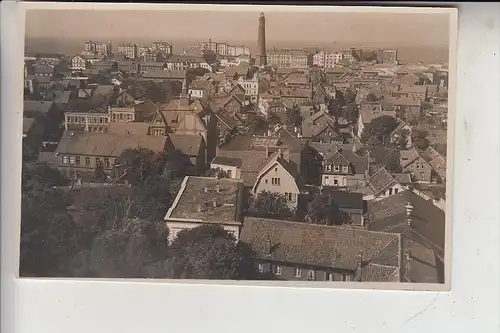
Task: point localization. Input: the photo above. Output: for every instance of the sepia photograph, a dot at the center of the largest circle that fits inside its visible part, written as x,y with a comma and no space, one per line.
239,143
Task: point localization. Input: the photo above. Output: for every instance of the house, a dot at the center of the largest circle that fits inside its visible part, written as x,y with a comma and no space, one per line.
78,62
146,67
192,146
226,125
256,151
296,251
231,166
297,79
104,66
183,62
402,132
420,223
229,103
321,127
183,116
382,185
341,166
351,205
206,201
82,152
122,114
437,161
251,87
369,112
201,89
87,120
279,176
412,91
407,108
416,165
128,66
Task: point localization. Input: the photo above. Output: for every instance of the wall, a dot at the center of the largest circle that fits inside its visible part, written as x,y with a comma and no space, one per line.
235,171
287,184
176,226
288,272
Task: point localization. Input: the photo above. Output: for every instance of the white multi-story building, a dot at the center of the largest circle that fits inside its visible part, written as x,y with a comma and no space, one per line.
237,50
129,50
163,47
251,87
331,59
319,59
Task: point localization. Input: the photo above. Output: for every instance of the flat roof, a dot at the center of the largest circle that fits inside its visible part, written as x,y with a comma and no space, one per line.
201,192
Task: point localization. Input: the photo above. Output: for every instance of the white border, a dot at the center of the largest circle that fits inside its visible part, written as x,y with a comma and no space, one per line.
61,306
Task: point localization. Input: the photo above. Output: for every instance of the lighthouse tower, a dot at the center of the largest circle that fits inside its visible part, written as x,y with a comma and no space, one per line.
261,59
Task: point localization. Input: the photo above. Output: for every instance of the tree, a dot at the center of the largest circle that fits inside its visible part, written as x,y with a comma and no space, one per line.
49,236
255,124
294,116
311,165
141,163
371,97
270,205
323,210
273,118
209,252
126,250
349,97
378,131
419,139
99,173
388,156
351,113
217,172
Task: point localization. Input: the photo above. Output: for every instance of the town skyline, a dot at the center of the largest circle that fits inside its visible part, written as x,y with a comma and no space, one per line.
356,28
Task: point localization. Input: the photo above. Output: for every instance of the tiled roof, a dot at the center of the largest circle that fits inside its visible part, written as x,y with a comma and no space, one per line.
134,128
358,162
188,144
428,221
106,144
41,107
402,178
226,119
413,89
318,245
228,161
344,199
380,181
166,74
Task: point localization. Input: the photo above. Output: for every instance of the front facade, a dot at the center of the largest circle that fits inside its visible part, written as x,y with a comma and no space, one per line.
121,115
289,58
93,121
416,166
78,63
251,87
338,171
128,50
275,177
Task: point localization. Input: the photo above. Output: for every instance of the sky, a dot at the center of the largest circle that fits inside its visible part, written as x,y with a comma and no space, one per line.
315,27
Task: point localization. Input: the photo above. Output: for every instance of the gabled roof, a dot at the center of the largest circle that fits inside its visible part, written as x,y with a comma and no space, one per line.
188,144
225,119
428,222
125,128
106,144
274,161
318,245
227,161
358,162
381,181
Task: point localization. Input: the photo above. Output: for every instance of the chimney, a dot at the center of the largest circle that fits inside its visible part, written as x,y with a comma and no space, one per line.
268,245
280,153
267,151
409,209
217,187
407,266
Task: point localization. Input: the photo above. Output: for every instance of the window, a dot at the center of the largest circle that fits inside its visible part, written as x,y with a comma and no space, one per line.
396,191
65,159
100,120
335,182
229,174
97,161
288,196
277,270
106,162
418,166
346,277
298,271
345,169
72,160
310,274
344,181
337,168
390,191
275,181
422,175
329,167
87,161
265,181
261,268
77,159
